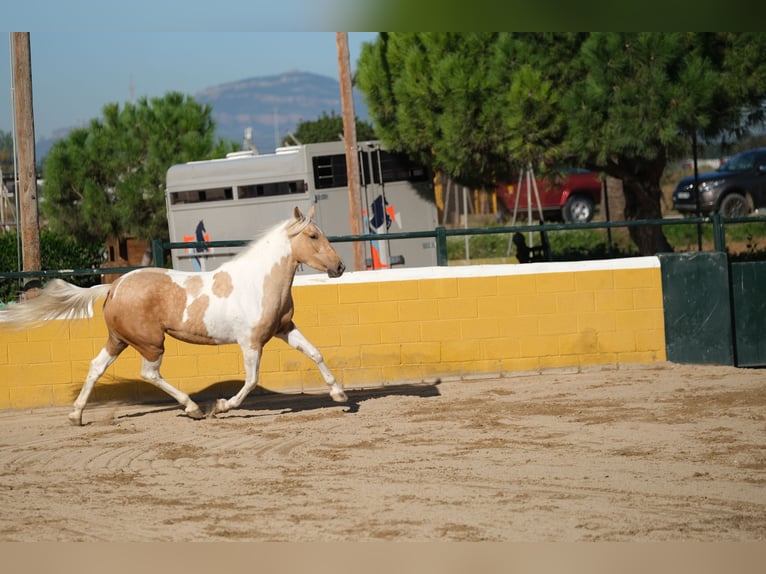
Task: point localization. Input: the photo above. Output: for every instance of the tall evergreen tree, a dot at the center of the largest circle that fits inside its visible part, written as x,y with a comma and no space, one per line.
472,104
108,179
432,96
644,97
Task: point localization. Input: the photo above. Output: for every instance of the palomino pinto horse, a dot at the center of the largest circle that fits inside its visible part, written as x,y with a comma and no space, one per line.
247,301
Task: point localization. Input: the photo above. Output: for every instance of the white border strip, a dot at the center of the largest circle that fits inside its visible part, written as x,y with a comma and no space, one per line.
416,273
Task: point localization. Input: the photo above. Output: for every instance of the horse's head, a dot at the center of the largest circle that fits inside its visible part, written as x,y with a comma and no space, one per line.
311,247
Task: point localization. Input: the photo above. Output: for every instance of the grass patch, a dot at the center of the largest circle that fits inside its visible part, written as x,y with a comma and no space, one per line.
744,241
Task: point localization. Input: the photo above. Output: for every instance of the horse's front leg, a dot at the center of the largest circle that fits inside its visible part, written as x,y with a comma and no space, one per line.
252,360
298,340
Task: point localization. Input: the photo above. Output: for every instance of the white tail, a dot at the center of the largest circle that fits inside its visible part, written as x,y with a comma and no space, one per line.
59,300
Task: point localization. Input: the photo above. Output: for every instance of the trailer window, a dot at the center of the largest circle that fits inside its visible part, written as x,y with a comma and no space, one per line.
329,171
201,195
395,167
271,188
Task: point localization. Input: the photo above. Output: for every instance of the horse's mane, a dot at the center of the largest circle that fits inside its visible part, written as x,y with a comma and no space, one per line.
290,227
297,226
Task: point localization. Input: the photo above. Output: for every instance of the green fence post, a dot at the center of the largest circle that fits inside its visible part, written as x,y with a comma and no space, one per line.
719,233
158,253
441,247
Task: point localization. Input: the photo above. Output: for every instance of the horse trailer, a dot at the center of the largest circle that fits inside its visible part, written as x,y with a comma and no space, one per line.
243,195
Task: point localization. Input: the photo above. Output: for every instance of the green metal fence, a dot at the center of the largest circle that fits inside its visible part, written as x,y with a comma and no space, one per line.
440,235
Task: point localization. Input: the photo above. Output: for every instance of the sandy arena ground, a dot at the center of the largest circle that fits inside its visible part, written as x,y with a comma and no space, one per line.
655,453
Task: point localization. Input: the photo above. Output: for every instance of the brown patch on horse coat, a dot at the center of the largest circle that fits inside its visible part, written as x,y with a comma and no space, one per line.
193,285
277,307
222,284
193,329
142,306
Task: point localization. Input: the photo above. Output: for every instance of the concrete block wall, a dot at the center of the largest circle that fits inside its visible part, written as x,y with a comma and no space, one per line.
382,327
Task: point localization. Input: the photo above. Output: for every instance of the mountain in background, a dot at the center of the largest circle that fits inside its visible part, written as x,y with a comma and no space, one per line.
271,105
274,105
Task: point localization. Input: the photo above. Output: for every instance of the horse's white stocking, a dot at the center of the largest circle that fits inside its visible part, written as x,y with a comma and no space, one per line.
97,368
150,370
298,340
252,360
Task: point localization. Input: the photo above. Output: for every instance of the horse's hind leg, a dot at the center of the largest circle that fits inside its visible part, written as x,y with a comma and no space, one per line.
298,340
150,370
106,357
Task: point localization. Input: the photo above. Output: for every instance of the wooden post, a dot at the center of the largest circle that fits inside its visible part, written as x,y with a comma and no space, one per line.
25,142
349,139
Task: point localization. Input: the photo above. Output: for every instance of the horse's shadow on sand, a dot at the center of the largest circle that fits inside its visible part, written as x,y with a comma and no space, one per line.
266,403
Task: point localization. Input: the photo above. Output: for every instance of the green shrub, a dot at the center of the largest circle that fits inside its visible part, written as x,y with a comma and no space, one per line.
57,251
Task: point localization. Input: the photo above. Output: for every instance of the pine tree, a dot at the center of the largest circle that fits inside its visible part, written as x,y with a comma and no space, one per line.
624,104
107,180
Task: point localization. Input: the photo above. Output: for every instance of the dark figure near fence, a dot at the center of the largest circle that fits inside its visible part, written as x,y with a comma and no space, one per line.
526,254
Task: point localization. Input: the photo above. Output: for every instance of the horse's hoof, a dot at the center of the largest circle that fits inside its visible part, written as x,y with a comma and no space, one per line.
220,406
195,412
338,396
75,419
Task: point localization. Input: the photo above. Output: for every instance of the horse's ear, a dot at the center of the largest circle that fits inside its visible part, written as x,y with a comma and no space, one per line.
300,217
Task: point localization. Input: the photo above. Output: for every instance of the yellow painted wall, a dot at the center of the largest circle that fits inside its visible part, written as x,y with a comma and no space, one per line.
381,327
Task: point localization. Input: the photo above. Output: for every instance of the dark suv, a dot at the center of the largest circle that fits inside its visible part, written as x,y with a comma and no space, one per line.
735,189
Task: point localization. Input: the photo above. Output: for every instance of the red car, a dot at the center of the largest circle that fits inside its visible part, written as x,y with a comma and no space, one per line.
573,197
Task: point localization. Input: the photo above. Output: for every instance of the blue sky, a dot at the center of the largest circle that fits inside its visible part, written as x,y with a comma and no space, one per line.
77,67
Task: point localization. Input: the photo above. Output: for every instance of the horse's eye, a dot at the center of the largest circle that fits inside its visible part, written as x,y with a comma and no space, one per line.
313,236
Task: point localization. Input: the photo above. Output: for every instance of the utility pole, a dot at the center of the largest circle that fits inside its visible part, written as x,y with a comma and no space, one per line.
25,143
349,139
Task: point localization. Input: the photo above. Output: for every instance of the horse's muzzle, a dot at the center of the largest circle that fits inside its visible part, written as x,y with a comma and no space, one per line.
338,271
